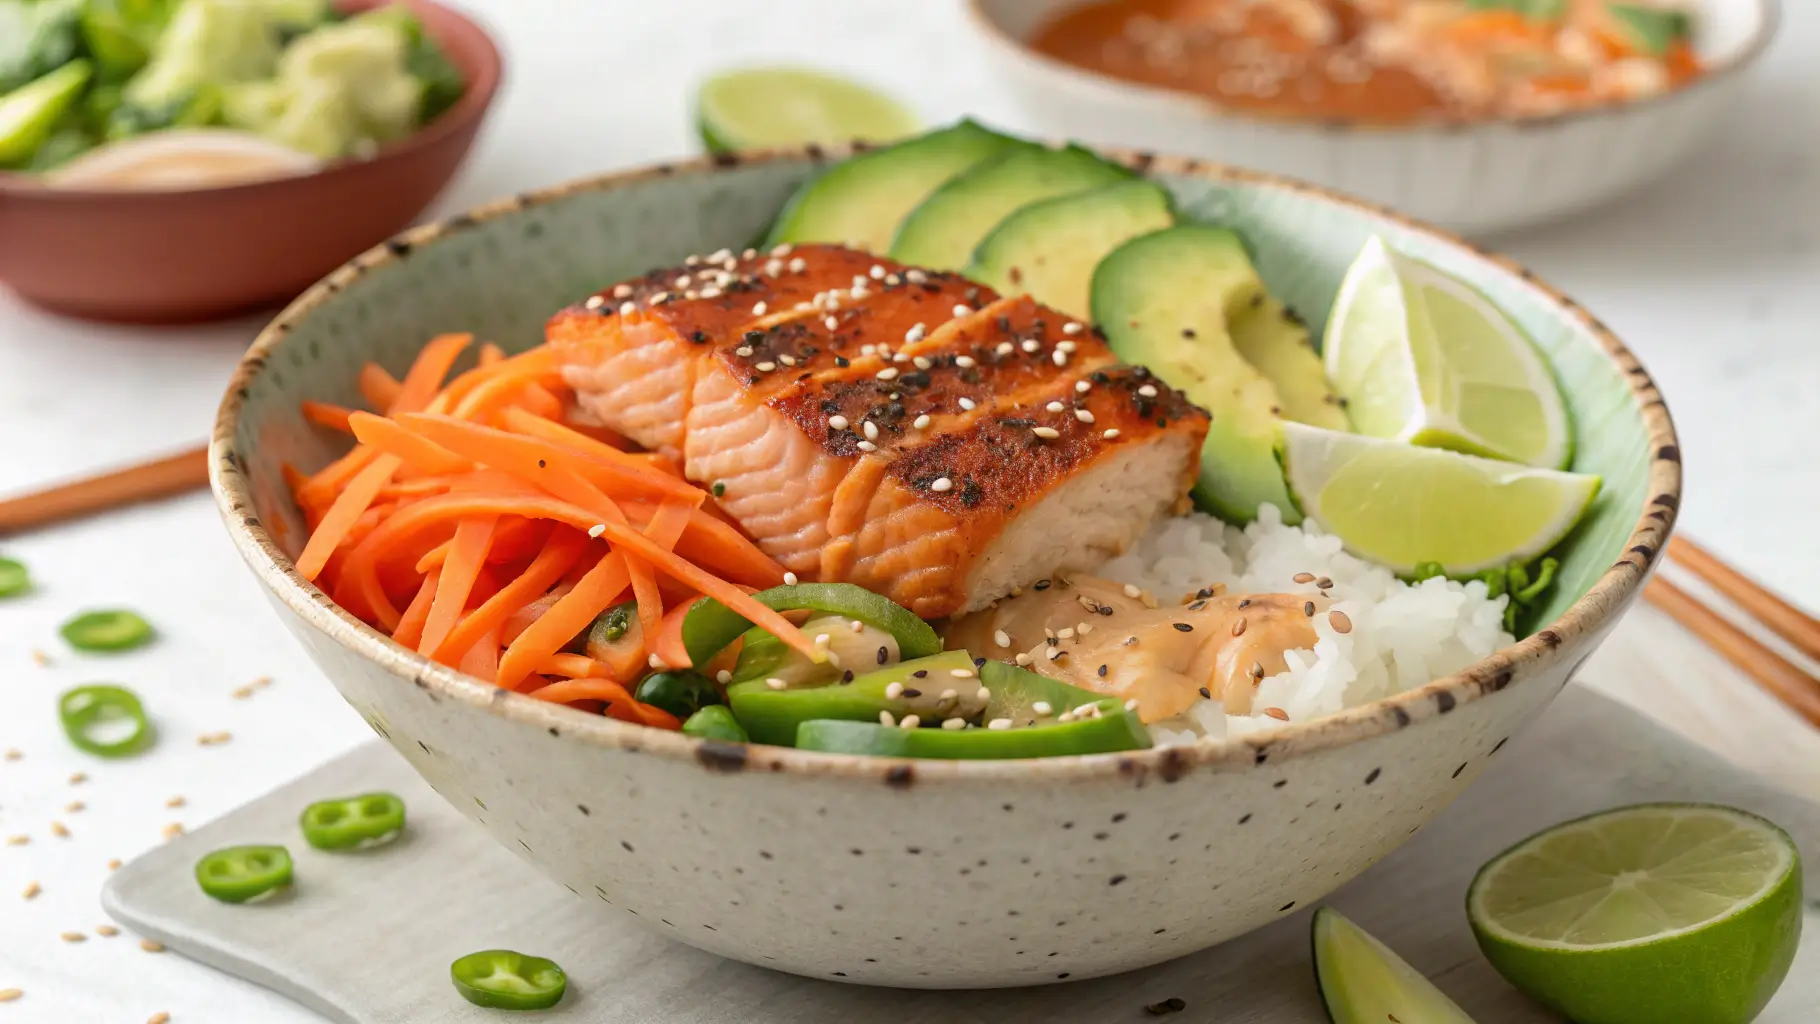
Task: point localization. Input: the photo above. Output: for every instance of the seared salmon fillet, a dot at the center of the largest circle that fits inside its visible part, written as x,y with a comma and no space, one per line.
905,430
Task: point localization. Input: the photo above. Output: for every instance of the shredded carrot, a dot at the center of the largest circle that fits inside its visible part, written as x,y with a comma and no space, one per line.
325,414
409,447
559,552
467,554
669,646
606,689
531,459
424,379
490,354
379,388
574,666
597,590
348,506
410,627
482,659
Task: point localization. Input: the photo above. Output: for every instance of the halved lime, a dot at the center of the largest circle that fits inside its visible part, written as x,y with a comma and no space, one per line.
1400,505
1363,982
753,108
1422,357
1646,914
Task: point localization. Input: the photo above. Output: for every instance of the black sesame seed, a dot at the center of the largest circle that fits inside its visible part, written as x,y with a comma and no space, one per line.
1308,608
920,673
1042,585
540,464
718,489
1182,627
1197,606
884,655
913,694
1102,671
846,677
1206,694
1203,594
841,361
979,663
1245,602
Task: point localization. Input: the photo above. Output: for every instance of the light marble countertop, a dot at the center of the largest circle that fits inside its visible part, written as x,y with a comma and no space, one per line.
1712,277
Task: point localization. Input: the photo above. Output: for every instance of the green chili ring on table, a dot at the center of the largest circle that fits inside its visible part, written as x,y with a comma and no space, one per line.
241,873
104,720
15,578
113,629
353,822
710,626
502,979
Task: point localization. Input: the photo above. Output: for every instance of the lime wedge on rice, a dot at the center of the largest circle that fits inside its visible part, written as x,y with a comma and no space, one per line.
1422,357
1400,505
754,108
1647,914
1363,982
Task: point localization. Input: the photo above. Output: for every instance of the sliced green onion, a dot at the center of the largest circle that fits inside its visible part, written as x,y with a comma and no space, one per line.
241,873
505,980
105,720
353,822
113,629
15,578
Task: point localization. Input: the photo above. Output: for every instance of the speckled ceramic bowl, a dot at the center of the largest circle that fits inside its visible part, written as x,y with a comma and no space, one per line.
887,872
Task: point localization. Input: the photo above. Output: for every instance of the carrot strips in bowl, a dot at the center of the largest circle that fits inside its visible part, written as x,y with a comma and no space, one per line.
478,523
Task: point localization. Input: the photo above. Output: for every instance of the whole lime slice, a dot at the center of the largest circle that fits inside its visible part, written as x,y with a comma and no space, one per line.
753,108
1646,914
1422,357
1363,982
1401,505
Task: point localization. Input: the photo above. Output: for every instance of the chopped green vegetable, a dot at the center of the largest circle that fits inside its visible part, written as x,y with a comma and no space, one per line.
710,626
36,38
1652,29
681,693
1538,10
715,722
104,720
1515,581
501,979
15,578
241,873
114,629
1111,729
208,43
353,822
30,114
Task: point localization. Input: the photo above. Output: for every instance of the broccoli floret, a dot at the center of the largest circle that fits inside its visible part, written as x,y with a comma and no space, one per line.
36,38
339,89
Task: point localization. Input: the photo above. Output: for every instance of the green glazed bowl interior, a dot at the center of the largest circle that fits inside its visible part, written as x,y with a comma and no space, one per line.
502,270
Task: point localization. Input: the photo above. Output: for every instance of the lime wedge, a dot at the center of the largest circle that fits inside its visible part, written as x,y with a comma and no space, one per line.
1363,982
1400,505
1660,912
1421,357
758,107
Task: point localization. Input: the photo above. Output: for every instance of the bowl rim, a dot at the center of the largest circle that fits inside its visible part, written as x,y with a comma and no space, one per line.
482,88
1585,621
1768,25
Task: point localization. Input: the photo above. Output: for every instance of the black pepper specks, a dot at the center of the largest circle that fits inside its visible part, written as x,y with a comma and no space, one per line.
1115,879
1373,777
1182,627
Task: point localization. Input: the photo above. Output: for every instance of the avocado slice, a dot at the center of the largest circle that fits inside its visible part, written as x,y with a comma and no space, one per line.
1114,729
30,113
771,716
1363,982
1017,691
1049,249
1164,301
860,201
942,232
1274,340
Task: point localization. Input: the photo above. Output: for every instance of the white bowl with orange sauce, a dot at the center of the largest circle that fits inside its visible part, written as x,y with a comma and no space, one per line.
1474,174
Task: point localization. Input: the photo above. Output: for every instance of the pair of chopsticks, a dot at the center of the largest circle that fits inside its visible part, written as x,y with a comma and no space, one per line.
1790,683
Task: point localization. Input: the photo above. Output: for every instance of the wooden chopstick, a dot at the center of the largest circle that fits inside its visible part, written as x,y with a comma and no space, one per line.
174,474
1801,630
1776,674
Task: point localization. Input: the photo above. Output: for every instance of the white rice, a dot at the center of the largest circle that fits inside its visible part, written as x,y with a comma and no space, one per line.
1402,636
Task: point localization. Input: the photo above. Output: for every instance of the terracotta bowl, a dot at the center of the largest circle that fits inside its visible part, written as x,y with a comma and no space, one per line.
192,255
895,872
1477,176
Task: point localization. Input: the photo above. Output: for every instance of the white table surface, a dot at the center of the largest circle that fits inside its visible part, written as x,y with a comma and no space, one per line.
1713,277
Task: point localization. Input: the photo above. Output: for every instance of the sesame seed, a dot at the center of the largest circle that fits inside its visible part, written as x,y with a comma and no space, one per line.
832,323
774,268
1066,346
942,483
1131,705
867,446
877,273
1060,358
18,840
8,995
900,358
954,724
888,373
720,255
14,754
1341,622
967,404
837,422
744,351
1001,638
113,865
1082,387
151,946
787,360
961,673
774,683
73,937
1303,577
790,578
782,249
1047,433
1042,708
857,626
982,694
870,429
75,807
1030,345
627,309
1238,626
911,722
1308,608
32,889
894,690
764,367
159,1018
242,692
1110,434
886,719
915,333
962,309
597,529
1066,633
1004,348
172,831
1055,407
921,421
723,677
594,302
948,695
1132,590
915,276
798,265
999,723
622,291
1023,659
106,931
965,362
1277,713
59,831
682,282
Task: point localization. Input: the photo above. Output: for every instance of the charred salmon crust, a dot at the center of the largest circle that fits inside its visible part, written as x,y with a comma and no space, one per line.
903,429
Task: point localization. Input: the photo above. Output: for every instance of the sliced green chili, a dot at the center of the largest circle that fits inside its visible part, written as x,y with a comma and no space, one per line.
105,720
15,578
504,980
354,821
241,873
715,722
114,629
